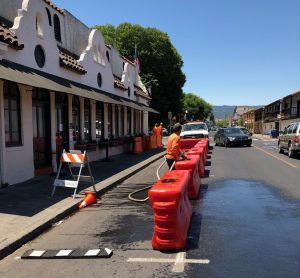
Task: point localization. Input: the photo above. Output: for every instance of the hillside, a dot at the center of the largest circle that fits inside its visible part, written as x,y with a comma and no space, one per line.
223,111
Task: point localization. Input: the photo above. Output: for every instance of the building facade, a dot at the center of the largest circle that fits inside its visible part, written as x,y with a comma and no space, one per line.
60,86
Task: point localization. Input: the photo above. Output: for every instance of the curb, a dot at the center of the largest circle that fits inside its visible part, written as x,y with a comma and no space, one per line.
68,206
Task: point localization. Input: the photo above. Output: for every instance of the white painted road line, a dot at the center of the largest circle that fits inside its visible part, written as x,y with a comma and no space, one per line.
179,261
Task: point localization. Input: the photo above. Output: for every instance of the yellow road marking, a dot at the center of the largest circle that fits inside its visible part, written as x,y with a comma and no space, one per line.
274,156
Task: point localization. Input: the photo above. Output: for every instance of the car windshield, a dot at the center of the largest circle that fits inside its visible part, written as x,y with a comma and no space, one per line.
194,127
233,131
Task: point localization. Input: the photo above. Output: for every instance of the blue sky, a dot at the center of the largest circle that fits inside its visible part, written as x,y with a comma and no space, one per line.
235,52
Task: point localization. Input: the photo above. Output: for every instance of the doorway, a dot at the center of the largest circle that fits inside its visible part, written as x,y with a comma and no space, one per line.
41,132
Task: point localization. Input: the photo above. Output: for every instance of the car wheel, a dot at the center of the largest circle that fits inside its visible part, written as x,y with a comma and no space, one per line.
225,143
290,151
249,145
280,150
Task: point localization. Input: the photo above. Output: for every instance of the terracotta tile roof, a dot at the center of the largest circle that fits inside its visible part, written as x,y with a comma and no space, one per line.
54,7
139,92
127,60
69,62
7,36
118,83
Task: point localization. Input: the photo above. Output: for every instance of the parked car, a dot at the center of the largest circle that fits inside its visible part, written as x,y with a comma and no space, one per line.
289,139
246,131
194,130
165,132
232,136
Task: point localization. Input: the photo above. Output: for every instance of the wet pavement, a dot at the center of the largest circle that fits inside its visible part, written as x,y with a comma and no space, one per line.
247,230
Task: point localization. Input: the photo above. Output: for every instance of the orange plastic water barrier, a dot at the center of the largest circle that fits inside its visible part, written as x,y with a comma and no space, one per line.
192,165
137,145
152,142
172,210
201,166
200,150
186,144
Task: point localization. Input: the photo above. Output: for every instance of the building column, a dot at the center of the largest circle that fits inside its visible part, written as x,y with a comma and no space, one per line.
113,123
70,119
120,120
2,136
105,117
93,119
53,131
81,100
145,119
132,119
125,120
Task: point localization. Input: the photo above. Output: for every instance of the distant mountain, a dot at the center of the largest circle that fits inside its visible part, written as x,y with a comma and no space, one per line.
222,111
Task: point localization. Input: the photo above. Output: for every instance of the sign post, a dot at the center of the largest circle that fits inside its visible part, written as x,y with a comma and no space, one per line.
170,119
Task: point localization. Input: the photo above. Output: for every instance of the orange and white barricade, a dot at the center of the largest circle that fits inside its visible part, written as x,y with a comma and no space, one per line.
73,158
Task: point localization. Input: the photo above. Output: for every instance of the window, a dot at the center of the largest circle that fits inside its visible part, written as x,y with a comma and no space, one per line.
49,17
107,56
39,56
12,114
38,24
122,120
99,79
99,120
57,32
128,91
76,118
295,128
87,120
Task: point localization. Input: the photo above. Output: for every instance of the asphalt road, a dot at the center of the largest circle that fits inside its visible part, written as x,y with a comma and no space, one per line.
245,224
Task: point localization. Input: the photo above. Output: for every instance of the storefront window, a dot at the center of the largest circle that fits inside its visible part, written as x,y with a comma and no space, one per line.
99,120
76,118
87,120
12,117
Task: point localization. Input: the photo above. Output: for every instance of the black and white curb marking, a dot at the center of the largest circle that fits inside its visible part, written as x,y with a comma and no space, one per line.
67,254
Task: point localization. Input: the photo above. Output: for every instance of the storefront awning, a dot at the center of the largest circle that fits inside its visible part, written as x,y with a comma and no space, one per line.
35,78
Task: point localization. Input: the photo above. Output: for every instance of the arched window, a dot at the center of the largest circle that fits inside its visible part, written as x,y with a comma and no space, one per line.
76,118
87,120
12,114
38,24
99,120
49,17
57,32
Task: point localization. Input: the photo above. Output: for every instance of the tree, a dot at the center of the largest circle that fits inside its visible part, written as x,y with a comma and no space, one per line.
161,64
196,107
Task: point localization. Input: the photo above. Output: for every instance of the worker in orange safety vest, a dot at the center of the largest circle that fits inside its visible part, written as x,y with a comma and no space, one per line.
173,152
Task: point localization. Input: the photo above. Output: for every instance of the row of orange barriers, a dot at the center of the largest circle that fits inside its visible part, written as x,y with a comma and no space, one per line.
170,196
146,142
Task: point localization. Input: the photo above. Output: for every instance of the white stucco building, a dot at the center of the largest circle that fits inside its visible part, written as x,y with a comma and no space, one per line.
60,84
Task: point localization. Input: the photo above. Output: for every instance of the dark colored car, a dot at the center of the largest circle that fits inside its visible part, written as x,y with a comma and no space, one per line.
232,136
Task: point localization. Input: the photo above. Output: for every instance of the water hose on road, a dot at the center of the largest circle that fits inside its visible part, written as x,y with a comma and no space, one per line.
148,187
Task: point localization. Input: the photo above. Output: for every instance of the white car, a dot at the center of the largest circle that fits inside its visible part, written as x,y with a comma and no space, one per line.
194,130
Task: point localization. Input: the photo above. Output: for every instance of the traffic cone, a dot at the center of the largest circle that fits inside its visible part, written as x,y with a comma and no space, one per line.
90,198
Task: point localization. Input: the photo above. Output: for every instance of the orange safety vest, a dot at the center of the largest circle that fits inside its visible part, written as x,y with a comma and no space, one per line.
173,149
156,131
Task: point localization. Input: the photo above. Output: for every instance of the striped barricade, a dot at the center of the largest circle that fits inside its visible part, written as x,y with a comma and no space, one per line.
73,158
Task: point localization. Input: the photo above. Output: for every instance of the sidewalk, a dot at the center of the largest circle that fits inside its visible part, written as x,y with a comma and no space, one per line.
263,137
27,209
